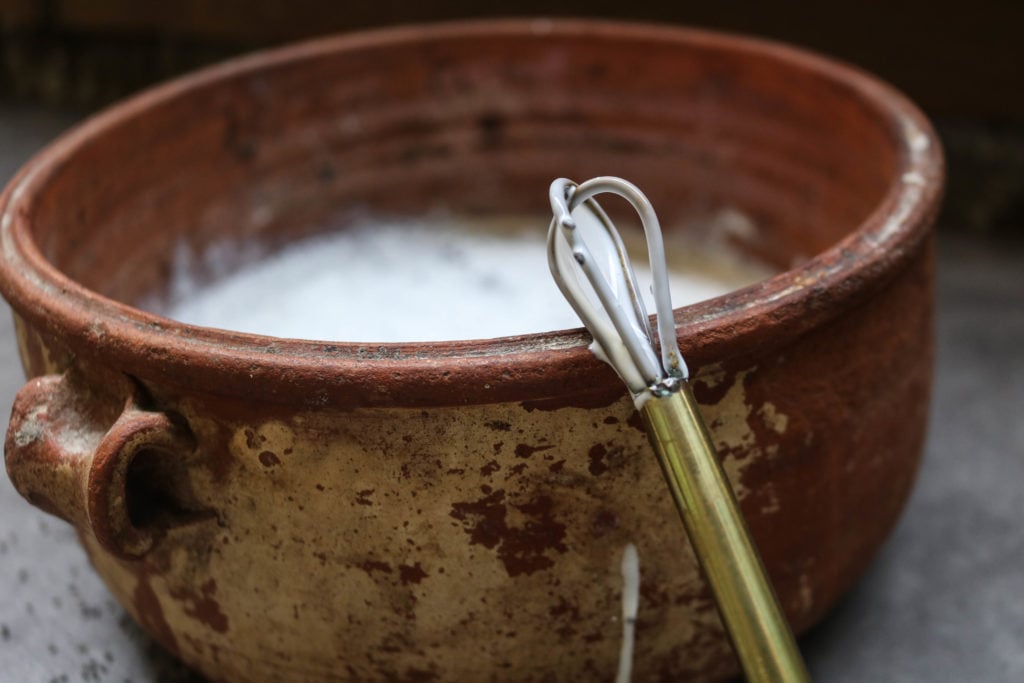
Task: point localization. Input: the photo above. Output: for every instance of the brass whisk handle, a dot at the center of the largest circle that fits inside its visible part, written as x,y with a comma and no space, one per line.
748,606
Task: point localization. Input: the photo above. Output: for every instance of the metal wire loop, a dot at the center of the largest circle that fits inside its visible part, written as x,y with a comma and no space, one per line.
618,321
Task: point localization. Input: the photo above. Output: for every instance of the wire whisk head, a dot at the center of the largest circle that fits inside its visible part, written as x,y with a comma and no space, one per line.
617,319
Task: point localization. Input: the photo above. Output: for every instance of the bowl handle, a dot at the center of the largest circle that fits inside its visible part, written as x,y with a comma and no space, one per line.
69,455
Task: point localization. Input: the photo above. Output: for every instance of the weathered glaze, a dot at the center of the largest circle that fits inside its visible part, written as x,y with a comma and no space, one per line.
281,510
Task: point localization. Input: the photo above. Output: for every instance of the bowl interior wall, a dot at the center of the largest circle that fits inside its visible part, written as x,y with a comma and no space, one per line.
471,124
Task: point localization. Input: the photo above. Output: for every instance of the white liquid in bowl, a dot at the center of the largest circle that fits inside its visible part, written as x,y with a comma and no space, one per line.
405,281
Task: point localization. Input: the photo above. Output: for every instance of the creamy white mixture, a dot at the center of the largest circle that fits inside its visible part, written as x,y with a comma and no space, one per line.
399,281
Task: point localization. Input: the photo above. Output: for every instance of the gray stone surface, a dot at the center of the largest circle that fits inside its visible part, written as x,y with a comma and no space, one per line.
944,600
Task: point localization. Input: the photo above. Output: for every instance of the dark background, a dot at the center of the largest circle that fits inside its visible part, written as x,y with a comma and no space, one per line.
961,61
943,601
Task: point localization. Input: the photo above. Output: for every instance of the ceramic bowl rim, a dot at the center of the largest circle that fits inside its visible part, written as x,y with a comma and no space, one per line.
473,371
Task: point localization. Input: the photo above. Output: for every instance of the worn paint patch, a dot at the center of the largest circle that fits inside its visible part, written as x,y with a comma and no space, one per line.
203,606
729,420
733,437
371,566
597,454
771,499
773,419
411,573
522,548
711,375
525,450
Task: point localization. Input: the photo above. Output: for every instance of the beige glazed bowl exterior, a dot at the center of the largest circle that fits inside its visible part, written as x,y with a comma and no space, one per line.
288,511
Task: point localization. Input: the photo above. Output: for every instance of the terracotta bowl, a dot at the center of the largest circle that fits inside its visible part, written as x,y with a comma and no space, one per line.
286,510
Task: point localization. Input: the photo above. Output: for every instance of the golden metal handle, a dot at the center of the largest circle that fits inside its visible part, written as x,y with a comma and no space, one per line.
760,633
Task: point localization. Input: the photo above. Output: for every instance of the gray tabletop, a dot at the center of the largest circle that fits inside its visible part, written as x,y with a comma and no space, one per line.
943,601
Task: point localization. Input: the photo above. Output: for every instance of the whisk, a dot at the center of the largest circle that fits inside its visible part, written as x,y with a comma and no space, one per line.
608,302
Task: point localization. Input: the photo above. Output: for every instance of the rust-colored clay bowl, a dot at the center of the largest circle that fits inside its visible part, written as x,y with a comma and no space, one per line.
284,510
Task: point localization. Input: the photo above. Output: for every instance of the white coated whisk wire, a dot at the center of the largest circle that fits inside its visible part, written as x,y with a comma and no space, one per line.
618,319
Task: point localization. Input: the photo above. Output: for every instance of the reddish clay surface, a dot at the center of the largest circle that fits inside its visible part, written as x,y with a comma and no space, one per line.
284,510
